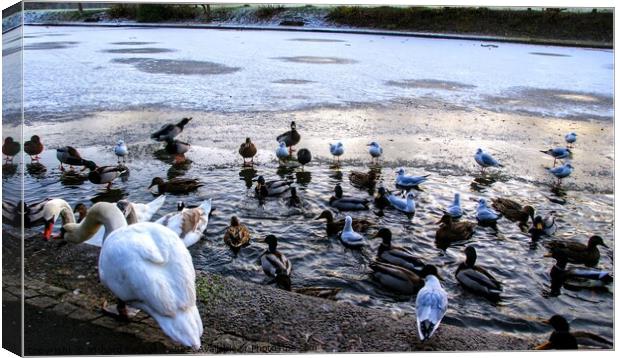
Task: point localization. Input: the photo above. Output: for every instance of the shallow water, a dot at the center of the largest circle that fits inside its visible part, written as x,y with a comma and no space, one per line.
318,260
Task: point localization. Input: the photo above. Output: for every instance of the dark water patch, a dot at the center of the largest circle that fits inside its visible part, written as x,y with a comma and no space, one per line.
549,54
292,81
52,45
138,50
177,67
319,60
431,84
129,43
316,40
44,35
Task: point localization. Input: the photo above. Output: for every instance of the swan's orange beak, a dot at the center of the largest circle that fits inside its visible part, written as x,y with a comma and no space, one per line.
47,231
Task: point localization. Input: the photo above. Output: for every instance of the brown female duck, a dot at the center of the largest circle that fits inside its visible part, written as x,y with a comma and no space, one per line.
334,227
10,148
514,211
33,148
248,150
175,185
363,180
450,231
237,235
577,252
290,138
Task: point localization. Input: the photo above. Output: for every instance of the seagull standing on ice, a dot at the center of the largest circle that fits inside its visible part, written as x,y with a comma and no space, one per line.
557,153
570,138
121,150
375,150
561,172
486,160
337,150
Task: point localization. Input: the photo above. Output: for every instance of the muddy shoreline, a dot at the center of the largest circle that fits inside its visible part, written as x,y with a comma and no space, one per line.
61,280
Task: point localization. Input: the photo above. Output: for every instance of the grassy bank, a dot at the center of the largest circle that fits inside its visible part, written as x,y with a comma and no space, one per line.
550,23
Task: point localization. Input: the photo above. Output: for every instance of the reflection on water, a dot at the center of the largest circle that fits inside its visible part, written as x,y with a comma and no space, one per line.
319,260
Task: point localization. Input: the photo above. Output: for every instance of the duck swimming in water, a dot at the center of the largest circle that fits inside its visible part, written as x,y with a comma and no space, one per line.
576,278
398,279
334,227
264,188
290,138
273,261
513,211
169,131
247,149
543,226
175,185
381,199
577,252
363,180
396,255
561,338
450,231
294,201
347,203
237,235
476,279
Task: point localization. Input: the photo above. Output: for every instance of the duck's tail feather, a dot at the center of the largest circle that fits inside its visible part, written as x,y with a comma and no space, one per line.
184,328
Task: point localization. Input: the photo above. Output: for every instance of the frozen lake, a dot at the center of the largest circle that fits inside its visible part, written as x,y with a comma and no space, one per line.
97,68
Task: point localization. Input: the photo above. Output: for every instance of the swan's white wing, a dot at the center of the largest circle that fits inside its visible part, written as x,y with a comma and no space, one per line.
146,265
146,211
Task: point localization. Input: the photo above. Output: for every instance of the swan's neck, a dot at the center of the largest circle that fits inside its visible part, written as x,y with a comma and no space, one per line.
105,214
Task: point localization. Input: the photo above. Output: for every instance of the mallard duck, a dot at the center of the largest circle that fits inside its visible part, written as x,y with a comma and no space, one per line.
175,185
577,252
485,160
381,200
557,153
304,157
105,174
26,214
282,153
397,278
375,151
450,231
476,279
290,138
247,150
561,172
188,224
237,235
349,237
408,181
264,189
334,227
177,148
169,131
147,266
576,277
283,281
543,226
485,215
121,151
430,304
336,150
363,180
33,148
396,255
561,338
513,211
274,262
570,138
10,148
347,203
455,209
406,206
70,156
294,200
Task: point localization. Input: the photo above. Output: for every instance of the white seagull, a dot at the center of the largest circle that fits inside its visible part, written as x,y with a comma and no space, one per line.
430,304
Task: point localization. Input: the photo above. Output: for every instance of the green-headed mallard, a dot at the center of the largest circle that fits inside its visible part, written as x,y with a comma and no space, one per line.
264,188
175,185
347,203
273,262
396,255
577,252
399,279
105,174
237,235
476,279
334,227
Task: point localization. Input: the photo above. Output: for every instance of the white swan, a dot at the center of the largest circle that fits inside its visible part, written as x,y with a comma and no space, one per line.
349,237
134,213
430,306
189,224
147,266
52,209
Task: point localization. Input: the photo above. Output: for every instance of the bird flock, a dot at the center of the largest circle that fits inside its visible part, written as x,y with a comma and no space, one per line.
395,268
